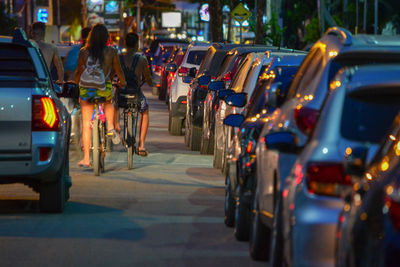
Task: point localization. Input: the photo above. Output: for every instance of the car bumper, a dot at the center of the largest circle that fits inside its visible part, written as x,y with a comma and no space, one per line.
27,167
179,107
314,229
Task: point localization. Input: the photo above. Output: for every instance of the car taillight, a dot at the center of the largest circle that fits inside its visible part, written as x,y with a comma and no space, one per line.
393,208
44,114
158,69
182,71
44,153
326,178
227,77
249,147
306,118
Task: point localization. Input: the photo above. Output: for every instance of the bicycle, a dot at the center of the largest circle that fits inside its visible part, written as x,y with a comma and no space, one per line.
98,135
130,105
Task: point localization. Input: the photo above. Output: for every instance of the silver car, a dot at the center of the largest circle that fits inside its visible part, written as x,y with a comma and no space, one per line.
358,111
34,124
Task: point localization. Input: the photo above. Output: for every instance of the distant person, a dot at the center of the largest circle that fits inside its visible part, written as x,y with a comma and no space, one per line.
71,61
97,64
135,66
49,51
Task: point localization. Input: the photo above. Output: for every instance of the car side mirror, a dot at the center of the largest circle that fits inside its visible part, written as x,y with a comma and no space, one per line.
222,94
58,89
204,80
236,99
216,86
171,67
187,79
274,96
192,72
234,120
286,142
354,163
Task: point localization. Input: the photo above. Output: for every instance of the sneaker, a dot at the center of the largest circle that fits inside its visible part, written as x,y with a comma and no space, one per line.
116,139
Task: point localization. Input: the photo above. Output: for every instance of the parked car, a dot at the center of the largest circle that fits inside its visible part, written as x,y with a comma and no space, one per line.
299,114
369,223
179,89
35,126
229,68
273,80
167,74
208,70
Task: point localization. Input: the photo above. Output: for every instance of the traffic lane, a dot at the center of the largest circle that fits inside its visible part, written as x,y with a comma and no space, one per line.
168,210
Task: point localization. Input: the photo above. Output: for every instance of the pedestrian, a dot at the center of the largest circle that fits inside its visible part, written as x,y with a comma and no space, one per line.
71,62
135,67
97,64
49,51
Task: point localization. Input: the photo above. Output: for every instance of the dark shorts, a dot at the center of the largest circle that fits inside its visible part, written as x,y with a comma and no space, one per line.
143,105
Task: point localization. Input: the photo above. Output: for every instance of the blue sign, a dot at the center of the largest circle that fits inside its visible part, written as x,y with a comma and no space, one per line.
43,15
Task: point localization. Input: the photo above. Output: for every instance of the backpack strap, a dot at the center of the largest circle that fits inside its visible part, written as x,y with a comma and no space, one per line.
134,62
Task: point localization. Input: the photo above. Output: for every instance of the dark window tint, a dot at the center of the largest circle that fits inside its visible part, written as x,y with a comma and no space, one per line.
215,65
366,121
15,61
196,57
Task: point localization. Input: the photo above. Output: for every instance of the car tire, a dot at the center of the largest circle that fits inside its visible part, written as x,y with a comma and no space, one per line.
242,220
53,195
260,237
187,133
195,138
276,251
176,126
229,216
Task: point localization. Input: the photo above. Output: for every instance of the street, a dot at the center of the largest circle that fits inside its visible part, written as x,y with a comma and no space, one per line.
167,211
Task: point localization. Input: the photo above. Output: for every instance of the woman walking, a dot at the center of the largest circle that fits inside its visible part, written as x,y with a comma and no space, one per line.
97,65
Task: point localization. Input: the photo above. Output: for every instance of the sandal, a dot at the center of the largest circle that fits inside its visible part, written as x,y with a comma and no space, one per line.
116,139
142,152
85,166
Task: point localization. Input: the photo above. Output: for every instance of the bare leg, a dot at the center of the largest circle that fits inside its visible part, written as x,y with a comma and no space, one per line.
144,125
109,112
87,112
117,126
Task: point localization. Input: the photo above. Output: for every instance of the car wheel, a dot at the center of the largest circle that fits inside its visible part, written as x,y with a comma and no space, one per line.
229,217
187,133
260,237
169,121
276,251
53,195
195,138
176,126
242,220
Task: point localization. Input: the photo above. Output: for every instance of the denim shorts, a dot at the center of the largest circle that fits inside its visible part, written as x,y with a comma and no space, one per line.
143,104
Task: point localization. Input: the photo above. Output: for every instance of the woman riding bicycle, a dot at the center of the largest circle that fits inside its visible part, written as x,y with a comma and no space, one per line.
97,65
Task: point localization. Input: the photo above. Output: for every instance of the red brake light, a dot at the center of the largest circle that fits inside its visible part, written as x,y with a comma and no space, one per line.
182,71
326,178
394,211
249,146
306,119
44,153
44,114
184,101
227,77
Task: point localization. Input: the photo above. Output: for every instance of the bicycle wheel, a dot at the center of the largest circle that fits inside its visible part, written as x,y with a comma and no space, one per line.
130,136
102,145
96,147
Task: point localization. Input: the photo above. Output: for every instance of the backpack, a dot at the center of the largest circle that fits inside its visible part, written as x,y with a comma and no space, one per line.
93,75
132,83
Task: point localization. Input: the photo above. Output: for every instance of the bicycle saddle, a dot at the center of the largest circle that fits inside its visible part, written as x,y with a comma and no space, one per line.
97,99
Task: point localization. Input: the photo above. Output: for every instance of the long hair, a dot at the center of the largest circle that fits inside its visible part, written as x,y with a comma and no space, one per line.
97,41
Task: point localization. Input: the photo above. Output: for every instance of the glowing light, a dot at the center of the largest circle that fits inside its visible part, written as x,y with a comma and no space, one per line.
348,151
392,137
397,149
264,111
384,165
389,190
363,216
368,176
310,97
258,116
333,53
325,150
49,116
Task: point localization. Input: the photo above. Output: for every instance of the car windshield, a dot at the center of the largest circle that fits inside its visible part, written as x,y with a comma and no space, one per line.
15,61
196,57
366,121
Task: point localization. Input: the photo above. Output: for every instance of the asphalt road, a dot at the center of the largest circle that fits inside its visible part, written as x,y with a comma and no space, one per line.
167,211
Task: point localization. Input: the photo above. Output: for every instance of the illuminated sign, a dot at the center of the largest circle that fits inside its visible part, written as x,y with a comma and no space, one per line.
204,14
43,15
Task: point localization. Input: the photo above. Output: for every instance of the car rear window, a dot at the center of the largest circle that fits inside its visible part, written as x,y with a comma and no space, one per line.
215,65
15,61
196,57
364,121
